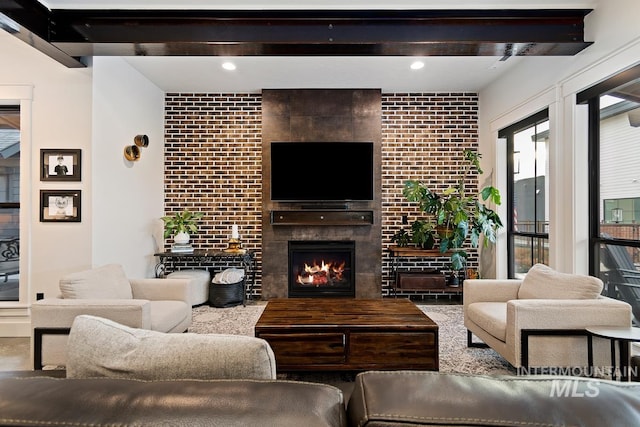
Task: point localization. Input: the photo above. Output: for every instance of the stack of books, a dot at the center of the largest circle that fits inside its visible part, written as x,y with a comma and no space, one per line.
183,248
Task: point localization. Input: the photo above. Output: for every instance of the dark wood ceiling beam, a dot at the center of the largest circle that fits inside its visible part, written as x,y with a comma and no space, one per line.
30,21
83,33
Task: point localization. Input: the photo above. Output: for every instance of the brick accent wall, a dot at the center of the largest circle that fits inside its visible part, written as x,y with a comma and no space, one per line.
213,165
423,137
213,161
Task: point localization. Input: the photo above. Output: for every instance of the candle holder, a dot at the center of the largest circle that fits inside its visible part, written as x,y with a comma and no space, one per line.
234,247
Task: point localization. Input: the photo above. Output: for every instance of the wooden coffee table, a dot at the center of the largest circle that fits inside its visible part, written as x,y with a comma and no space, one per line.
312,334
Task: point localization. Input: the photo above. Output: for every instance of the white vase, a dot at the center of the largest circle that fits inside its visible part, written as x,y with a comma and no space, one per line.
181,238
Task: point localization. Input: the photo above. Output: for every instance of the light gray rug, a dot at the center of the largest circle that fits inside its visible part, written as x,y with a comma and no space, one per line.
455,356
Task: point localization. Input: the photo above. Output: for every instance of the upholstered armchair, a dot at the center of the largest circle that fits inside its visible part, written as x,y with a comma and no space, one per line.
155,304
497,311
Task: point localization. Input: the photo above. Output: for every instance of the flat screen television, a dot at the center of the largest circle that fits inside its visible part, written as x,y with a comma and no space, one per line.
321,171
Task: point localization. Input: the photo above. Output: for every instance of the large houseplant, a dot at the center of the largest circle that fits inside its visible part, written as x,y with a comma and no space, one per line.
181,225
456,214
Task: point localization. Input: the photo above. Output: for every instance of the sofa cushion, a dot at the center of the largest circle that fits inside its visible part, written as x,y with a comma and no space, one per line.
106,282
98,347
490,316
542,282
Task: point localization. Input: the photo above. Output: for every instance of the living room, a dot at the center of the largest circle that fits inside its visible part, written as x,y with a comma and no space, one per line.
217,167
100,109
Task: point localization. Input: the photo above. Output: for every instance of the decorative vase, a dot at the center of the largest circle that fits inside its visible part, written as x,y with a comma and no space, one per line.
181,238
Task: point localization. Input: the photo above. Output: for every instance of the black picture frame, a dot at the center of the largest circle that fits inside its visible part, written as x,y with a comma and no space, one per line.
60,205
60,164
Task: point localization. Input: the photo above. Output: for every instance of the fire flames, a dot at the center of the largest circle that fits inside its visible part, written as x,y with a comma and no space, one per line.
325,273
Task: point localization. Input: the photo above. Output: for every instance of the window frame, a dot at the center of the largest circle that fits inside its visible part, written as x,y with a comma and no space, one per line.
591,98
508,133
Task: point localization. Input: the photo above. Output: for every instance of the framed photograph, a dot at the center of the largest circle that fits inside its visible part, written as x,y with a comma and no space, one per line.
60,206
60,165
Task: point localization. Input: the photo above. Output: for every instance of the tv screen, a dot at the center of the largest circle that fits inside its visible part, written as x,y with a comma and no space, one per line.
321,171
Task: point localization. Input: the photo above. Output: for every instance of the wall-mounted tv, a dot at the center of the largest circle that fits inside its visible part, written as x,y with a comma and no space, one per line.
321,171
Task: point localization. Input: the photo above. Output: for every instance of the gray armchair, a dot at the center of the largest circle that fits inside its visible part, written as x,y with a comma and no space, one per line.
155,304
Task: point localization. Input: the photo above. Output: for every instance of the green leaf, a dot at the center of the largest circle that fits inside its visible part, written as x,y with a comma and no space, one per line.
458,260
492,194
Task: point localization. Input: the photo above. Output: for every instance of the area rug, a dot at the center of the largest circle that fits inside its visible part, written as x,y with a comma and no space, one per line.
455,356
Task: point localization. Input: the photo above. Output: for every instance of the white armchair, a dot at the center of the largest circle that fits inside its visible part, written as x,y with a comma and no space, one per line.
155,304
496,312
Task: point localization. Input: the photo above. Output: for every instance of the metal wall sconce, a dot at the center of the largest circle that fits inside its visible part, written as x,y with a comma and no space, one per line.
133,152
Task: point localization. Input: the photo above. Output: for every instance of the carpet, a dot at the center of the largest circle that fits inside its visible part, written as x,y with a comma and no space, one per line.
455,356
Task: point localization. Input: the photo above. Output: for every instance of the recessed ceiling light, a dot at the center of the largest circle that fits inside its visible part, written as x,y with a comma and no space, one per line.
417,65
229,66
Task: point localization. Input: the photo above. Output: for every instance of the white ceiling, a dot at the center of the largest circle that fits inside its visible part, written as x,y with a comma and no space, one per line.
391,74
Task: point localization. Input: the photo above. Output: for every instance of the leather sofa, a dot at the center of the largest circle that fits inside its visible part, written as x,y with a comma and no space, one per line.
419,398
38,400
379,398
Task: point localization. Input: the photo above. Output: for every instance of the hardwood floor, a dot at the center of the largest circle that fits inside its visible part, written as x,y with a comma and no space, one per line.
15,354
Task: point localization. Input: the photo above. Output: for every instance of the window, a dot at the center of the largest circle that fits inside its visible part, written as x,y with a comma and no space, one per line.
527,193
614,185
9,202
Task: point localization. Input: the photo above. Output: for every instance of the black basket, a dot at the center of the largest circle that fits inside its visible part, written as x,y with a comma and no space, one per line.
226,295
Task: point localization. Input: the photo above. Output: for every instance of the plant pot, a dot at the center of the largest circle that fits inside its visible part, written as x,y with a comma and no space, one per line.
429,243
444,232
181,238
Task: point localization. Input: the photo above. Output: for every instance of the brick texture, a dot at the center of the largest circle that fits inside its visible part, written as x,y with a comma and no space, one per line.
213,162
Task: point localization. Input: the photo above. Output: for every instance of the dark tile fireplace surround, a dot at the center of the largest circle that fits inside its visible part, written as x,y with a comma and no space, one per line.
321,115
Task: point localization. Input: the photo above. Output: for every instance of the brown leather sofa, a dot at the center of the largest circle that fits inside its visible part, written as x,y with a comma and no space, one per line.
33,398
418,398
379,398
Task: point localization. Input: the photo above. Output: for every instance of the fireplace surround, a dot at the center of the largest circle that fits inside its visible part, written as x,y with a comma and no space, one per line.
336,115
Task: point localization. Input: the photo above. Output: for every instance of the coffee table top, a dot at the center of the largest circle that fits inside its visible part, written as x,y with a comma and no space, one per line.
337,312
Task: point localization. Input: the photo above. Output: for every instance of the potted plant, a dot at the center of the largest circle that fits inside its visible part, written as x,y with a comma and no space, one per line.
459,215
401,238
422,234
181,225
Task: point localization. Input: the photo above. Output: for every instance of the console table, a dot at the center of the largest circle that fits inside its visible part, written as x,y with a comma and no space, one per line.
419,280
209,259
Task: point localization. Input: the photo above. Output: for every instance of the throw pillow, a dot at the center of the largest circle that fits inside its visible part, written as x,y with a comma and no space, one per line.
542,282
99,347
106,282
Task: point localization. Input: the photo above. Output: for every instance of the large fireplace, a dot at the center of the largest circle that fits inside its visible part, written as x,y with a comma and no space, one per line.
321,269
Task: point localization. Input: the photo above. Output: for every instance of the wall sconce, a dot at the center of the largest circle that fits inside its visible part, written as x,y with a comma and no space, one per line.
141,140
132,152
616,215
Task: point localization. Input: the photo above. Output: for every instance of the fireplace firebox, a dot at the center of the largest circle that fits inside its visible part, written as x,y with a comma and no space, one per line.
322,269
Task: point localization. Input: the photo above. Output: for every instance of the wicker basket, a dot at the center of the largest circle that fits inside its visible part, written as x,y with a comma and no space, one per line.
226,295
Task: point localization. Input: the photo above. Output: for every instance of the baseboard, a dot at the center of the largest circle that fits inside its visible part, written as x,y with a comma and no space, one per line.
15,329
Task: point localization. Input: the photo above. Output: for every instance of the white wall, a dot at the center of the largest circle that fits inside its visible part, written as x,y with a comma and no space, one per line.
535,83
127,196
57,116
99,110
